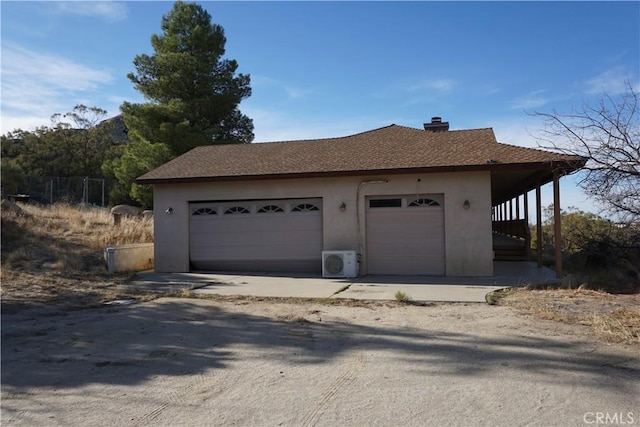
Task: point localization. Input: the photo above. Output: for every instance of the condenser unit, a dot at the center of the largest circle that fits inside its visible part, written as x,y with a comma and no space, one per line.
339,264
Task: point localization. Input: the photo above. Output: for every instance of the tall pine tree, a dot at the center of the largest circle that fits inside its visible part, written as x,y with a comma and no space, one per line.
193,93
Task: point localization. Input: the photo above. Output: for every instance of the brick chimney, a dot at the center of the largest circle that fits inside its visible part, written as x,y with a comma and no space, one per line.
436,125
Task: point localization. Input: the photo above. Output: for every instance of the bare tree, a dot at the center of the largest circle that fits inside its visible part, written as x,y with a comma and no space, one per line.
607,133
84,121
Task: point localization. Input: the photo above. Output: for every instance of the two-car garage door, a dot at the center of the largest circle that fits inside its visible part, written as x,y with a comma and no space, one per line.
260,235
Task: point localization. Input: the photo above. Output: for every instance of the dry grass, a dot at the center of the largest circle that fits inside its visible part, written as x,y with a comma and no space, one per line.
54,254
615,318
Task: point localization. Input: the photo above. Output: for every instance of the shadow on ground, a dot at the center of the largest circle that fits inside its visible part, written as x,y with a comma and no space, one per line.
128,345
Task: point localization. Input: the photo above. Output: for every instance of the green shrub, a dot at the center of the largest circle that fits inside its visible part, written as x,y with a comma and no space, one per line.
402,297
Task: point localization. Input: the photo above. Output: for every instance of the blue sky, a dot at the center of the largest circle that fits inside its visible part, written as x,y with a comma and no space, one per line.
322,69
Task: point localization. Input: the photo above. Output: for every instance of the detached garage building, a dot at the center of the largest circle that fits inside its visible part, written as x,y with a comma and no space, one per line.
404,200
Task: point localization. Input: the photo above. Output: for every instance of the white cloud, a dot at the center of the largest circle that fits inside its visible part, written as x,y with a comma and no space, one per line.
36,85
107,10
611,81
533,99
515,134
514,130
10,122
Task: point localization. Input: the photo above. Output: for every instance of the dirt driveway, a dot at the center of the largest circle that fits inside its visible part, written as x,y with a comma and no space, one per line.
245,362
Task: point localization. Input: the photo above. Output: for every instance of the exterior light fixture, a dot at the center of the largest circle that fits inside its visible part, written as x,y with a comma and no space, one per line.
169,210
343,206
466,204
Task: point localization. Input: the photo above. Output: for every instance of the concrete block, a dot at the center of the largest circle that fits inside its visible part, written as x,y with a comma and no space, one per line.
131,257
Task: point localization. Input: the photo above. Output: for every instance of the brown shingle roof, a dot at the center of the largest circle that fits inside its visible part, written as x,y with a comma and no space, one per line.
389,149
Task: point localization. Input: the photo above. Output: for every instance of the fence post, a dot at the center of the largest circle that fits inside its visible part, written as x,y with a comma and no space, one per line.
110,255
85,191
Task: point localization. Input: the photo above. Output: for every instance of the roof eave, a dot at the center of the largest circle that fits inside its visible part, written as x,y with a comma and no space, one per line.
565,166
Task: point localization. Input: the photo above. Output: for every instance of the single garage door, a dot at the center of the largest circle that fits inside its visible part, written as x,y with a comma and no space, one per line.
405,235
264,235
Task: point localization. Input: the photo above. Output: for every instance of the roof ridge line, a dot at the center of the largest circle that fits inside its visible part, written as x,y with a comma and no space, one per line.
333,138
325,138
448,131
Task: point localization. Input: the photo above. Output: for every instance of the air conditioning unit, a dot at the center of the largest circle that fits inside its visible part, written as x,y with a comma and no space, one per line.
339,264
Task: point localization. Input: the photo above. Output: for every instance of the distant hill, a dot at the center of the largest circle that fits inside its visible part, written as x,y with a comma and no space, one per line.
120,132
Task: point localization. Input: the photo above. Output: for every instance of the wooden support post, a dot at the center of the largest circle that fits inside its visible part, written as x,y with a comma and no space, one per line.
526,222
539,225
557,225
517,207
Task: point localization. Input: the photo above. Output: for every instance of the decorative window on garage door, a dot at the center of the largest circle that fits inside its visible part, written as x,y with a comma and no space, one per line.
234,210
270,209
305,207
422,202
404,202
204,211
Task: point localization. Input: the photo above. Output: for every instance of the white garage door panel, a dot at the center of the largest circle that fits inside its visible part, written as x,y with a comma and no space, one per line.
254,241
405,240
253,252
224,240
216,234
281,222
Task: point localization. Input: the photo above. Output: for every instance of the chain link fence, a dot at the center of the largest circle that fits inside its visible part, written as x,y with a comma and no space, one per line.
72,190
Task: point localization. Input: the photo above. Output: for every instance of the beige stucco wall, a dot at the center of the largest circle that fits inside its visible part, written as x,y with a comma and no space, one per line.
468,240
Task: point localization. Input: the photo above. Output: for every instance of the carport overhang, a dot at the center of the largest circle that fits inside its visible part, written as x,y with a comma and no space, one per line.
511,181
